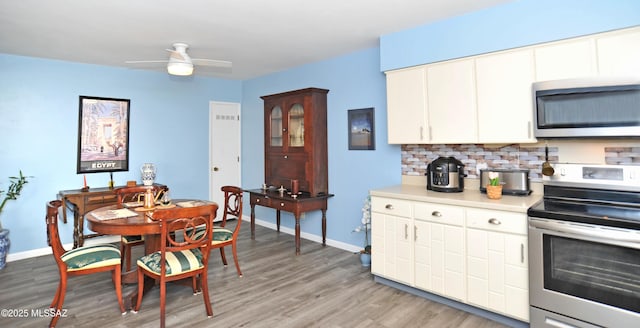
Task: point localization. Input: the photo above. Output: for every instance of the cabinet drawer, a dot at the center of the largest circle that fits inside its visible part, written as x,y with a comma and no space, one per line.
500,221
260,200
446,214
283,205
391,206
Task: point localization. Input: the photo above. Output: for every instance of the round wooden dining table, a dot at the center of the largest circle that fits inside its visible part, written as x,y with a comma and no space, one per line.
133,221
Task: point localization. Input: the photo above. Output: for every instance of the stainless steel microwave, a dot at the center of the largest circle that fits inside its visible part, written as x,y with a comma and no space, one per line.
587,108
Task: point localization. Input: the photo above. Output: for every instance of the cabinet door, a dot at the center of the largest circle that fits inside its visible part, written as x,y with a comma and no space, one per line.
451,95
618,54
447,255
497,274
406,106
422,255
284,167
566,60
391,239
505,105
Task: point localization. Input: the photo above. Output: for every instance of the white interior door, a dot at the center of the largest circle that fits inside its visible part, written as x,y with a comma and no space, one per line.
224,152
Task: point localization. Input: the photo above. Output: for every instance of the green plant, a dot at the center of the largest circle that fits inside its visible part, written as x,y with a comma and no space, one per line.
15,187
365,225
494,179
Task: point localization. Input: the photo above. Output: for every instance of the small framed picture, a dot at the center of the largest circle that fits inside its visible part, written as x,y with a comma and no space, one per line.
361,129
103,135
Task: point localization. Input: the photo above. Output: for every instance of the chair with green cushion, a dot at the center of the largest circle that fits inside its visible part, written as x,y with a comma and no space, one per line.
222,236
183,252
79,261
132,194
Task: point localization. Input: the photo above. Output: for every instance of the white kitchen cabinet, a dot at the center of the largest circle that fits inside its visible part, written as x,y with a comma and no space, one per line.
619,53
406,106
439,249
497,276
505,105
451,102
566,60
392,239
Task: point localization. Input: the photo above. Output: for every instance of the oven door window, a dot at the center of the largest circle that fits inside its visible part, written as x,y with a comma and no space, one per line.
598,272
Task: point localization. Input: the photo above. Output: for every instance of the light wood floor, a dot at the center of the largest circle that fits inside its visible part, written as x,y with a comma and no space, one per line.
322,287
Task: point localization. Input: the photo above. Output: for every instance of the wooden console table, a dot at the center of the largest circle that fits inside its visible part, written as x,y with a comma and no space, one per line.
284,202
80,203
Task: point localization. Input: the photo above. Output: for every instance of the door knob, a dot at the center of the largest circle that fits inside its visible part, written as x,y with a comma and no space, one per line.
216,169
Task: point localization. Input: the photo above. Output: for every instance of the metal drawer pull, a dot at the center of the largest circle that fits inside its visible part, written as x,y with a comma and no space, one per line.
415,233
389,207
521,253
436,213
257,200
406,231
495,221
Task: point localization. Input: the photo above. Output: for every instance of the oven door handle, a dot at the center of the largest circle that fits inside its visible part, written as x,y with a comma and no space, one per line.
594,232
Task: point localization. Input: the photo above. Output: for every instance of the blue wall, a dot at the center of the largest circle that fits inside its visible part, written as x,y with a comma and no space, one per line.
169,126
515,24
39,111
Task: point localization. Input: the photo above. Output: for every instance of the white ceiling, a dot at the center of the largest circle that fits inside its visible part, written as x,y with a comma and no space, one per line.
258,36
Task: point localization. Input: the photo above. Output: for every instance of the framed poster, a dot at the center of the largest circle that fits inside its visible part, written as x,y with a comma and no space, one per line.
361,129
103,135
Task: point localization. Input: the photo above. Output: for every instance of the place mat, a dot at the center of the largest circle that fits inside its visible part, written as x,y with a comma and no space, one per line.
114,214
191,203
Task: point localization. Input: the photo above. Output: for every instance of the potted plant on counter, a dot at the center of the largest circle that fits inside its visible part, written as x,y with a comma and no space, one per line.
365,226
494,188
15,187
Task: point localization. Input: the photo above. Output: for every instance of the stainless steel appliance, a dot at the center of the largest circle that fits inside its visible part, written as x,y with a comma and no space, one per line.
584,248
513,181
587,108
445,174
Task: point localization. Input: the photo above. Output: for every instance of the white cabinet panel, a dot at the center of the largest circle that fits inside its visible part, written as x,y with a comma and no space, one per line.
566,60
505,106
451,102
619,53
406,106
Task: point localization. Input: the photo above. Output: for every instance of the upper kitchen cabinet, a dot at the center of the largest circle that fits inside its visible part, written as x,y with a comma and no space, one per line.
406,106
619,53
295,127
505,108
451,102
566,60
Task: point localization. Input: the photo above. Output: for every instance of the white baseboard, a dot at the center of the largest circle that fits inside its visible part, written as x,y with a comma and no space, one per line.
112,239
304,235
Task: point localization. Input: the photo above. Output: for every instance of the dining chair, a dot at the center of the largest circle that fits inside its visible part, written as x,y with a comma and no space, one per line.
184,252
222,236
79,261
133,194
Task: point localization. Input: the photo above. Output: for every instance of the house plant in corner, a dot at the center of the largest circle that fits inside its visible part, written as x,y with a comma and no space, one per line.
15,187
365,254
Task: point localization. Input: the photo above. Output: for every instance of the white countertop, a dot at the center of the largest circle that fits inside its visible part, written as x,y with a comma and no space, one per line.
468,198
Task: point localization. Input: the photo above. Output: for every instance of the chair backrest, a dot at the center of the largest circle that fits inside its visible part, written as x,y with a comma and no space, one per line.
53,237
232,206
136,193
178,229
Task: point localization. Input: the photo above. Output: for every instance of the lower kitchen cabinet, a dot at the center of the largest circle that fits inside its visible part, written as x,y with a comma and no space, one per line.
392,239
471,255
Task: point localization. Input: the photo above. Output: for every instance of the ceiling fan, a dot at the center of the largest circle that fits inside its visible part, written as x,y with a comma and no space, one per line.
180,63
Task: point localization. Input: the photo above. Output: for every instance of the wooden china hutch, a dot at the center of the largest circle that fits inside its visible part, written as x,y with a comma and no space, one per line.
295,140
295,149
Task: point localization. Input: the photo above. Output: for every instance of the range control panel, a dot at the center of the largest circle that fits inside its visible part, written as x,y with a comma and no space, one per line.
596,175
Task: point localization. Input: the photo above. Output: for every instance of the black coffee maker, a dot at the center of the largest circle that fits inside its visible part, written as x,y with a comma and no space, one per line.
445,174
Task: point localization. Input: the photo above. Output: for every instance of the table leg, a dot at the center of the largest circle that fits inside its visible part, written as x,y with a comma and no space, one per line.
81,230
278,219
76,233
324,227
253,221
297,233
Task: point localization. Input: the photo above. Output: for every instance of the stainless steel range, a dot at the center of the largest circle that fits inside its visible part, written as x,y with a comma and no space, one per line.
584,248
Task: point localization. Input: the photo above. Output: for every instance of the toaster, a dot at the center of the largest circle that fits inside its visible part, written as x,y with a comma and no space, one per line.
513,181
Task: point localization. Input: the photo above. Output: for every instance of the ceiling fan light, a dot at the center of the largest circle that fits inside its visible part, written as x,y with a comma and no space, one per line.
181,69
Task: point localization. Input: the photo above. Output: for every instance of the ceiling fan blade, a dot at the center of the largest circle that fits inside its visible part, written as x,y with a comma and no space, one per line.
211,62
145,61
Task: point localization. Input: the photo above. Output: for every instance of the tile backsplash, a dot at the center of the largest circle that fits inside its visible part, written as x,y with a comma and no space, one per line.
416,157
